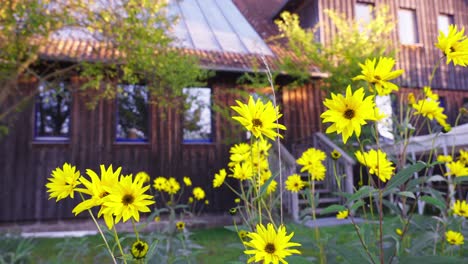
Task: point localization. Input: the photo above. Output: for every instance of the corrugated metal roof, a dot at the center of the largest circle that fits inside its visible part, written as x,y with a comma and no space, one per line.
215,25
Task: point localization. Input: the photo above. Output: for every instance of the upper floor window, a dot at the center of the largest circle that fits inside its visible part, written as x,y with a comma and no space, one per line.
443,22
363,14
408,30
132,113
52,112
197,125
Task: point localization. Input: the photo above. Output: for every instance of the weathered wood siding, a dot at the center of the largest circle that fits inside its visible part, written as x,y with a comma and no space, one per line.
26,164
417,60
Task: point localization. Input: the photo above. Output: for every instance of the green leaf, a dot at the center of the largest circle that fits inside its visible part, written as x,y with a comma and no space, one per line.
403,175
460,179
357,205
435,202
407,194
437,178
429,259
333,209
363,192
391,206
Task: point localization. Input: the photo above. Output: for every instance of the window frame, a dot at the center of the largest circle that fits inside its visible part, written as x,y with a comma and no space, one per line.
121,140
417,38
211,138
51,139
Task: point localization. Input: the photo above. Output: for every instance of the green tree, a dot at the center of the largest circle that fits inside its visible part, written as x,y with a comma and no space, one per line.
352,42
135,32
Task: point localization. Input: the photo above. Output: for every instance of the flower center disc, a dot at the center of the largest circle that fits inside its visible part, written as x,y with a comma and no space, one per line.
270,248
127,199
256,122
349,113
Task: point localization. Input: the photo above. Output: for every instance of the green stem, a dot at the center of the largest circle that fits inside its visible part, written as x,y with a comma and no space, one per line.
135,230
116,237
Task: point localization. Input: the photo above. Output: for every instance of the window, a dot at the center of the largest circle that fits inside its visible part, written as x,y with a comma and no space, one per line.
443,22
408,30
363,15
197,115
132,113
52,112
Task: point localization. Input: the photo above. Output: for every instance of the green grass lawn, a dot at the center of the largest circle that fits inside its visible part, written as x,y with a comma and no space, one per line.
220,245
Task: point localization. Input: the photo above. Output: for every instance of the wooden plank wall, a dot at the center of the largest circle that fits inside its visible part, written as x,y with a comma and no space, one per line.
417,60
25,164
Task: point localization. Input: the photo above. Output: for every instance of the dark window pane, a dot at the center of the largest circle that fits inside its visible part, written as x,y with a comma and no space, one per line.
52,112
197,115
132,113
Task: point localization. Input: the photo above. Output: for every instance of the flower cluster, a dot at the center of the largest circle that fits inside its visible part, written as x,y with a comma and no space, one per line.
454,45
456,168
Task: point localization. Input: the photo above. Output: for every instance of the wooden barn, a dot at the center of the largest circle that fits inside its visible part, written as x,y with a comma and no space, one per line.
160,143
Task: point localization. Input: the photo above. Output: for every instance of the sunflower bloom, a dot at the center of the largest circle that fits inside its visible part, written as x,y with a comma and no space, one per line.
242,171
460,208
198,193
239,153
187,181
160,183
454,238
294,183
139,249
259,118
377,163
127,199
312,162
335,154
432,110
457,169
463,156
180,225
219,178
379,75
142,176
172,186
444,158
269,246
348,113
63,182
454,45
342,214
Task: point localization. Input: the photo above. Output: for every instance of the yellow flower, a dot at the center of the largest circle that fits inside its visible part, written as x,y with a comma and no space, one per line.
219,178
142,176
180,225
259,118
187,181
380,75
160,183
348,113
431,110
242,234
239,153
237,200
127,199
335,154
399,232
454,45
157,219
312,162
63,182
190,200
456,169
269,246
172,186
139,249
444,158
198,193
342,214
207,202
294,183
454,238
429,94
242,171
411,98
260,148
272,187
377,163
460,208
463,156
